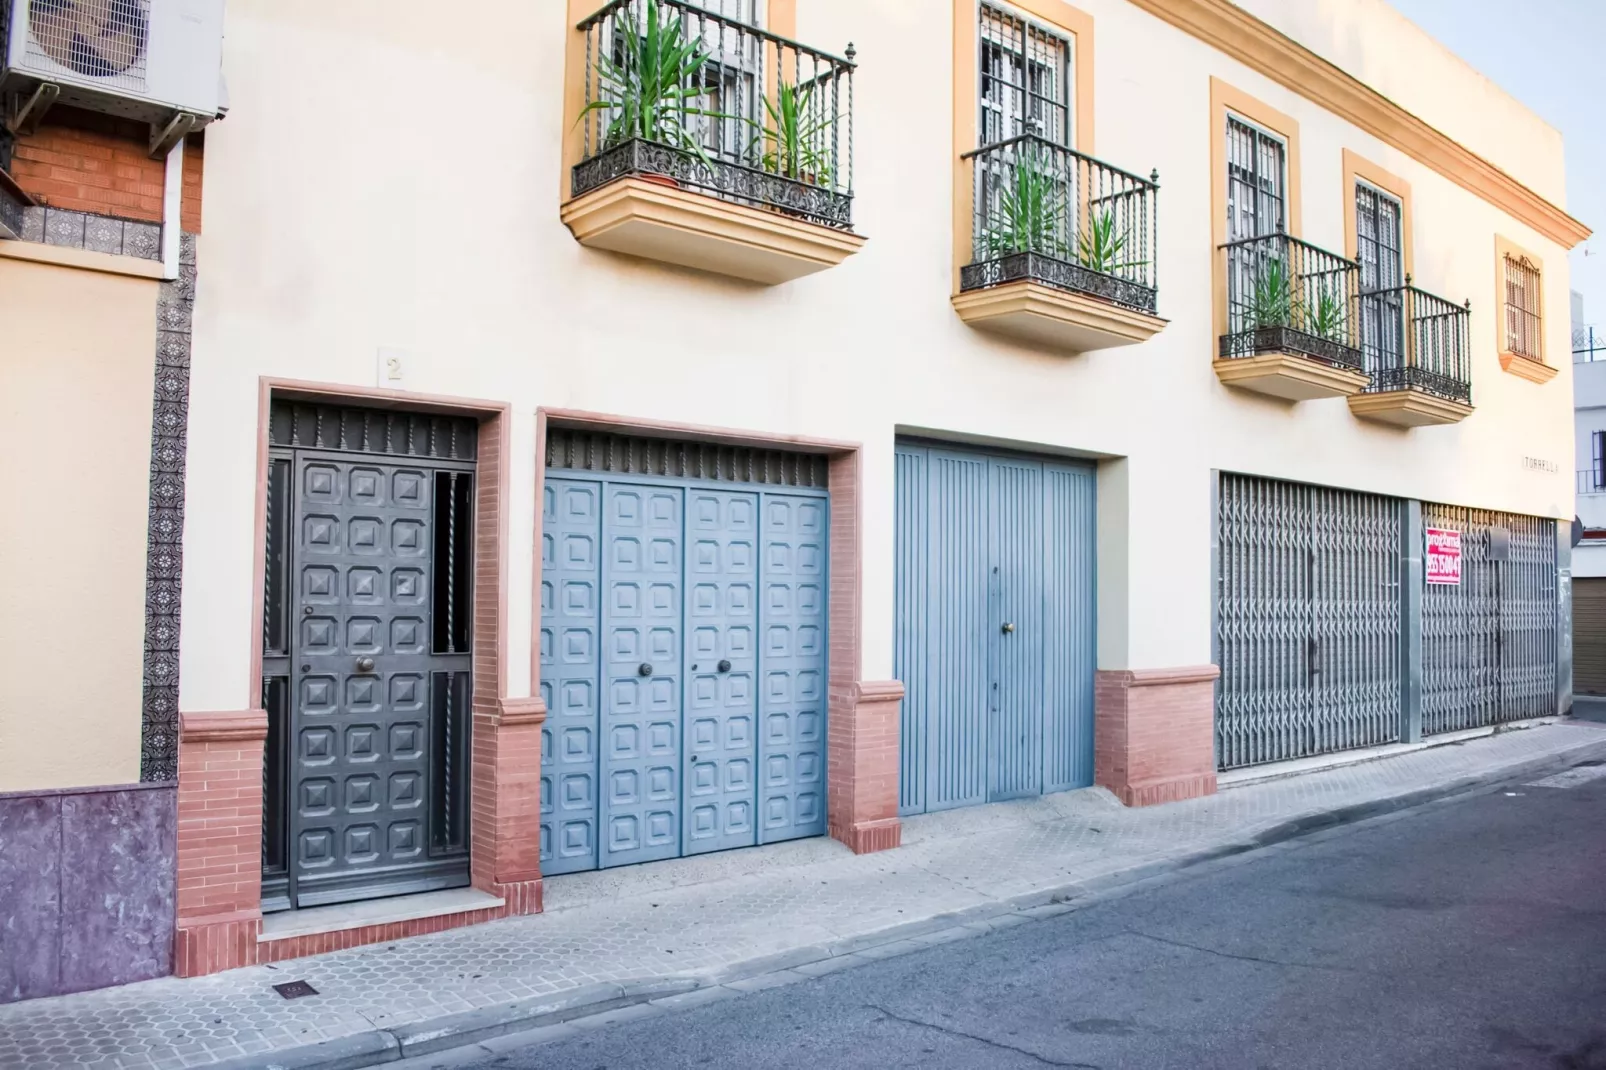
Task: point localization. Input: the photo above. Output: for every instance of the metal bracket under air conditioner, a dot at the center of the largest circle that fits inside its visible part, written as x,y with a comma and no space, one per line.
23,115
165,135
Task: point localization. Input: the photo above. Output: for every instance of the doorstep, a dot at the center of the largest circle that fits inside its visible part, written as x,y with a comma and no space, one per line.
1259,774
314,921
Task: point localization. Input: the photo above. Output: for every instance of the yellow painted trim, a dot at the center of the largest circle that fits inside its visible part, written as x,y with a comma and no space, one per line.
1058,15
676,226
1224,99
1289,377
781,18
1358,167
60,256
1054,318
1408,408
574,92
1240,35
1515,363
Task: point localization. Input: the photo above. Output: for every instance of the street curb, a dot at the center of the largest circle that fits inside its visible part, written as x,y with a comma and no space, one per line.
664,994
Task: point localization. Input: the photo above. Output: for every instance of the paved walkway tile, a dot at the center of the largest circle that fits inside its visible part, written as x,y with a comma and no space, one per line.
697,917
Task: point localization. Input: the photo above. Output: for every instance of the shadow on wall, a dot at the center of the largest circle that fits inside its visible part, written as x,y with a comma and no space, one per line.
86,888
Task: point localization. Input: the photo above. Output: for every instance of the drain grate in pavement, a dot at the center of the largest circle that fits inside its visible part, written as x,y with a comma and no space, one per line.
295,989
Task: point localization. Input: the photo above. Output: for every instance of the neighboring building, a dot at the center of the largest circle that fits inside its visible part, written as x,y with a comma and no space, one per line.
567,489
101,154
1589,556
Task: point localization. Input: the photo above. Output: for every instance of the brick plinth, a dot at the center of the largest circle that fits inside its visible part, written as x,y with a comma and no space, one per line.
219,840
1154,733
506,848
862,766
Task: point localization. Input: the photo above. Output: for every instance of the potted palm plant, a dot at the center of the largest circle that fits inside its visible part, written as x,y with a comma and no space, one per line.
1101,246
1030,214
652,82
792,138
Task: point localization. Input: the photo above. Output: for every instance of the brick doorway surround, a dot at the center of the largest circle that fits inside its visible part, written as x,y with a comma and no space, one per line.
1154,733
220,795
220,766
861,716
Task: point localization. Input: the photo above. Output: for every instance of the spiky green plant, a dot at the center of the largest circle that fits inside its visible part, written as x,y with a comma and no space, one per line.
1271,303
1031,209
653,82
792,141
1101,246
1324,317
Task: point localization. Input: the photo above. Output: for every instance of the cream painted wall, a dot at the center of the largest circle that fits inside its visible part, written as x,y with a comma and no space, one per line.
1389,52
77,360
423,215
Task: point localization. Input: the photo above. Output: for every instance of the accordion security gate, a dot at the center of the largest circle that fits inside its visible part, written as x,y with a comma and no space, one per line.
1489,643
1309,619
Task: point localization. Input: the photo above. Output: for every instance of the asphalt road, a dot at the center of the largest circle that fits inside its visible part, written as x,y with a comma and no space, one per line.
1465,935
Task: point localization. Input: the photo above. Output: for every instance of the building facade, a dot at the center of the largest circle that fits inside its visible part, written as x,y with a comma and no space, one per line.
1589,556
629,474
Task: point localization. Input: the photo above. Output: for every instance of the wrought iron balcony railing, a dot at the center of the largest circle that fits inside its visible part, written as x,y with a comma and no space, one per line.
698,99
1416,341
1592,481
1048,214
1286,295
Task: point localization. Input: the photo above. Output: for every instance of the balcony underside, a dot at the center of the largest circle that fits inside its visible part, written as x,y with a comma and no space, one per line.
1053,318
1408,407
1290,376
659,221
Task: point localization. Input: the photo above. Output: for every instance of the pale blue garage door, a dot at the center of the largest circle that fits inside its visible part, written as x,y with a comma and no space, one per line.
995,625
683,663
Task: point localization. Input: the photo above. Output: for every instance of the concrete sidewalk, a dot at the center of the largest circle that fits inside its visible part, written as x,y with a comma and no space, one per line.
695,929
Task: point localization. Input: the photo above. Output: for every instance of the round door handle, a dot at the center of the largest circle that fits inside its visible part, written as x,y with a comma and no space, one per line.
1008,627
365,664
724,666
645,669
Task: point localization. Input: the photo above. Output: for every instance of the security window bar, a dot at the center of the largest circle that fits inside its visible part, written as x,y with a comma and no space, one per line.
1379,246
1523,335
703,98
1257,198
1025,80
453,557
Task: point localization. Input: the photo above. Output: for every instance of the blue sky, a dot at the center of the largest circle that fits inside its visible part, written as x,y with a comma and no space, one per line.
1551,55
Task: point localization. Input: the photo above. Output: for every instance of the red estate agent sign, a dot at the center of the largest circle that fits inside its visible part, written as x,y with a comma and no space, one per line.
1444,556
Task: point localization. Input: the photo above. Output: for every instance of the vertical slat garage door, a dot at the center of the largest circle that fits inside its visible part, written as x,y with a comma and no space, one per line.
1589,636
995,625
1308,620
683,659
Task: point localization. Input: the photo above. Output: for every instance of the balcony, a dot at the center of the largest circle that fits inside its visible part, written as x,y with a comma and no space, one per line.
1418,353
1291,320
1063,248
711,144
1591,481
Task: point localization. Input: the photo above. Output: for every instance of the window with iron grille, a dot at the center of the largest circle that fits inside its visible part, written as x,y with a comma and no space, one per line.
1257,167
1522,308
1597,443
1025,80
1380,247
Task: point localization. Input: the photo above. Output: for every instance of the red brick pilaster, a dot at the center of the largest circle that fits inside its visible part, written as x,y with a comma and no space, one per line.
862,767
219,840
1154,733
506,850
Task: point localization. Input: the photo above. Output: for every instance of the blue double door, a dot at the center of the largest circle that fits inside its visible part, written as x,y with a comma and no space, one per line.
995,634
683,664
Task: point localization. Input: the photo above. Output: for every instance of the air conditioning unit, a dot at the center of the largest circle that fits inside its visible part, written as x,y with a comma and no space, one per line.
156,61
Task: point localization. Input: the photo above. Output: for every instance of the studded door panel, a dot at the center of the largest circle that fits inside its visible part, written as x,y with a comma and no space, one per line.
641,666
721,655
571,579
792,617
361,680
